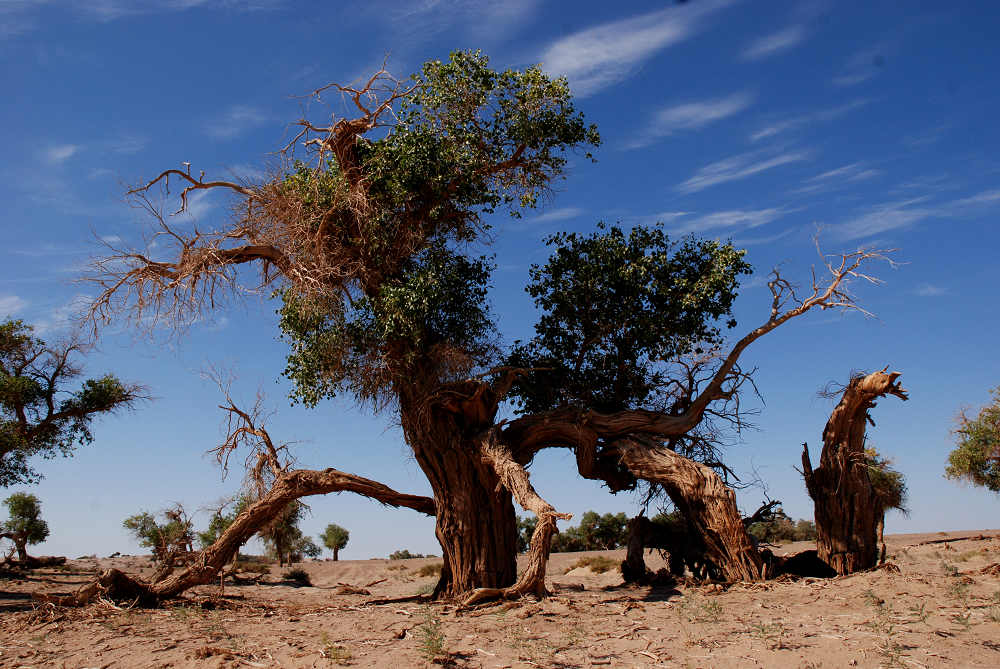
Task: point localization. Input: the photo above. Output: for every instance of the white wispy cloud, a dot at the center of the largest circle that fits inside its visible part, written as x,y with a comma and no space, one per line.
60,153
11,304
237,120
21,16
479,19
901,214
757,241
733,218
864,64
930,290
561,214
691,116
838,177
774,43
598,57
986,197
794,122
738,167
61,317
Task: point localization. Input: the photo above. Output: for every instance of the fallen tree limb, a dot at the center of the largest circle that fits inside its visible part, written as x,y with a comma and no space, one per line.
208,563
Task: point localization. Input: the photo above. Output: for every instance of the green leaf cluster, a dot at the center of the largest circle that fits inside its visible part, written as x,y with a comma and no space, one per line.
888,483
436,307
976,457
616,306
175,533
782,529
466,141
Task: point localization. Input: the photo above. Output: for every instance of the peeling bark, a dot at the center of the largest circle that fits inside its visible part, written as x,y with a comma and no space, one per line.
846,506
705,501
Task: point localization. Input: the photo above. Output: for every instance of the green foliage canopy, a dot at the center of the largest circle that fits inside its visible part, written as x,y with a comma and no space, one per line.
25,524
467,140
39,416
976,457
616,306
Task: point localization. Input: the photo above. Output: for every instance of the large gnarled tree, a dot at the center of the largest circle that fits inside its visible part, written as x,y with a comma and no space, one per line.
368,241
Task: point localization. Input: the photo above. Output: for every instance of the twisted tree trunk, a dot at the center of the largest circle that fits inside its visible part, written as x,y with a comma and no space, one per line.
846,507
705,501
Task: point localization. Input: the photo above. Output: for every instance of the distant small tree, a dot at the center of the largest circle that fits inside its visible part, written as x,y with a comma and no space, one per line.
780,528
525,529
39,415
283,537
335,538
594,533
976,458
25,525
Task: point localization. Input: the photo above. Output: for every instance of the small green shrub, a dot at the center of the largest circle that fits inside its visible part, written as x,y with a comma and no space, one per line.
433,569
299,575
597,564
431,638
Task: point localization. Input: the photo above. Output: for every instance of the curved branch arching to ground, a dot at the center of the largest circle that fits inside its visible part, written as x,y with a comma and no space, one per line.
206,565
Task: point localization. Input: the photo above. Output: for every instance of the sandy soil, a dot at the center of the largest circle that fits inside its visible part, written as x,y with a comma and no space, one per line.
937,605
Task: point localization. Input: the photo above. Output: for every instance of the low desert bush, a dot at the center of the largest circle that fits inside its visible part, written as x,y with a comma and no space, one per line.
597,564
433,569
252,567
299,575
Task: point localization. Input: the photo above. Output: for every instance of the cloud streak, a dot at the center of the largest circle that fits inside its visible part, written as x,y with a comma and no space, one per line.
794,122
60,153
691,116
598,57
902,214
733,218
737,167
774,43
11,304
236,121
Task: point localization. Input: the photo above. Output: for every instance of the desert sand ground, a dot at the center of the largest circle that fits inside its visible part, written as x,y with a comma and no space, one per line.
933,605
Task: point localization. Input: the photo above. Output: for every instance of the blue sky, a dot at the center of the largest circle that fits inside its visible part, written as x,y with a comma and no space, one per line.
874,123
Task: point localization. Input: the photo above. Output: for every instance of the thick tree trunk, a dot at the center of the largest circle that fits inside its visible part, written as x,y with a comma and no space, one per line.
336,551
634,566
22,550
705,501
475,520
847,510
